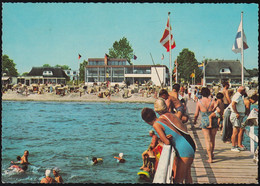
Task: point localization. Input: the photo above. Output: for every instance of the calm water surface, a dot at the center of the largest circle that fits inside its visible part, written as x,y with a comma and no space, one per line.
68,134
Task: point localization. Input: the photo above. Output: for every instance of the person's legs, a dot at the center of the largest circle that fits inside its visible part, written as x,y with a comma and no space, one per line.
183,170
144,159
211,116
234,137
240,137
207,137
213,133
188,178
174,167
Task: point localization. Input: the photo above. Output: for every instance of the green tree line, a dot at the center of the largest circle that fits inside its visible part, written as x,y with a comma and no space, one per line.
122,49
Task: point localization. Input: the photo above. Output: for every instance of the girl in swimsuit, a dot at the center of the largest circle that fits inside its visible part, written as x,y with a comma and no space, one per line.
205,107
169,124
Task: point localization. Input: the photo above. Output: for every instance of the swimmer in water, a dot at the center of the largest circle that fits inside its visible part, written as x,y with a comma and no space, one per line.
57,177
96,160
24,158
17,168
120,159
18,160
48,178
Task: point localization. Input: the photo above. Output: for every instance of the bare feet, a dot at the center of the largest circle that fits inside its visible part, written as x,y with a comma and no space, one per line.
210,161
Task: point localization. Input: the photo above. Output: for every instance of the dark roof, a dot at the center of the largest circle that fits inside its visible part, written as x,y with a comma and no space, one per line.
212,68
38,71
127,66
102,59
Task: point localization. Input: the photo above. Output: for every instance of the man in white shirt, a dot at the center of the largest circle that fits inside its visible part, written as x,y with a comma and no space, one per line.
236,117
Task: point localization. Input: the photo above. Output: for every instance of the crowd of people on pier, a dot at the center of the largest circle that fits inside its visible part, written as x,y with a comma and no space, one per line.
218,110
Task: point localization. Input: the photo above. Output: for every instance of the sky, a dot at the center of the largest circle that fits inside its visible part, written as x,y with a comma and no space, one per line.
34,34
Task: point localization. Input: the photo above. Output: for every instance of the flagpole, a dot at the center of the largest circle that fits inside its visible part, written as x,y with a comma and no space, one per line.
194,78
242,51
170,52
204,80
78,73
176,71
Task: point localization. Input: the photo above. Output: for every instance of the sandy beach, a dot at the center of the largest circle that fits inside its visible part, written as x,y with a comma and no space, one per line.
74,97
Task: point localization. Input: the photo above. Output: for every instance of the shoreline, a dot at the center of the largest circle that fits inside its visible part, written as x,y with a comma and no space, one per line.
75,97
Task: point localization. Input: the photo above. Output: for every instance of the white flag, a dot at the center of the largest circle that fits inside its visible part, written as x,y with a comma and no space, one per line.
237,46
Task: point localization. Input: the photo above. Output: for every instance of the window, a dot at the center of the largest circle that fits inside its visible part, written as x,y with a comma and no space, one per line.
92,72
47,73
225,71
118,72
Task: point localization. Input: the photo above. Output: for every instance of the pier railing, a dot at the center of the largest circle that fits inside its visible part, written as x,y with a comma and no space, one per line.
253,138
163,173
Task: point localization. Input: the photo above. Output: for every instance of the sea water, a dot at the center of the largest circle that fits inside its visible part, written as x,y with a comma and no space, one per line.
68,134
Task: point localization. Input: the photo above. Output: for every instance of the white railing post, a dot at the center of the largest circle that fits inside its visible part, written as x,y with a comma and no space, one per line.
162,168
170,165
252,143
253,138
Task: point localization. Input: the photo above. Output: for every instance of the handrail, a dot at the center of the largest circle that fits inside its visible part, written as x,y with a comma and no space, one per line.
253,138
252,120
163,173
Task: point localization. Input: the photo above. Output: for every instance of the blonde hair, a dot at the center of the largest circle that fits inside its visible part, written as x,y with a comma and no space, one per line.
160,106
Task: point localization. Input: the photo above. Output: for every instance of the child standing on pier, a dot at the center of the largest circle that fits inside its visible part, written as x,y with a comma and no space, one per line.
219,110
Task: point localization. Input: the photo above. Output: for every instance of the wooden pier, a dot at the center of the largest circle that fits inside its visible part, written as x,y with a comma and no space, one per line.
227,167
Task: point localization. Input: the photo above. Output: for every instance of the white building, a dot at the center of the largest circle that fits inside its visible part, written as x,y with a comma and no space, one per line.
118,71
73,74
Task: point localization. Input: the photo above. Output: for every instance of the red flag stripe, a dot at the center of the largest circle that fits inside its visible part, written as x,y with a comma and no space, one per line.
165,38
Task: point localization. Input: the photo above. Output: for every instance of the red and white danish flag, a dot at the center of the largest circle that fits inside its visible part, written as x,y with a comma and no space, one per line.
165,38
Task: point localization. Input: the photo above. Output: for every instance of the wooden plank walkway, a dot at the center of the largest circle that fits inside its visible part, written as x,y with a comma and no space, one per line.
227,166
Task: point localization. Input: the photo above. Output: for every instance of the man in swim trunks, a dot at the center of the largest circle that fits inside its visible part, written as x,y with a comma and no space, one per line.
226,98
238,110
174,103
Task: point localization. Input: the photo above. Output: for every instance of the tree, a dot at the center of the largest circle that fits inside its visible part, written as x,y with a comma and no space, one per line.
8,66
25,73
82,70
186,64
63,67
46,65
253,72
122,49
